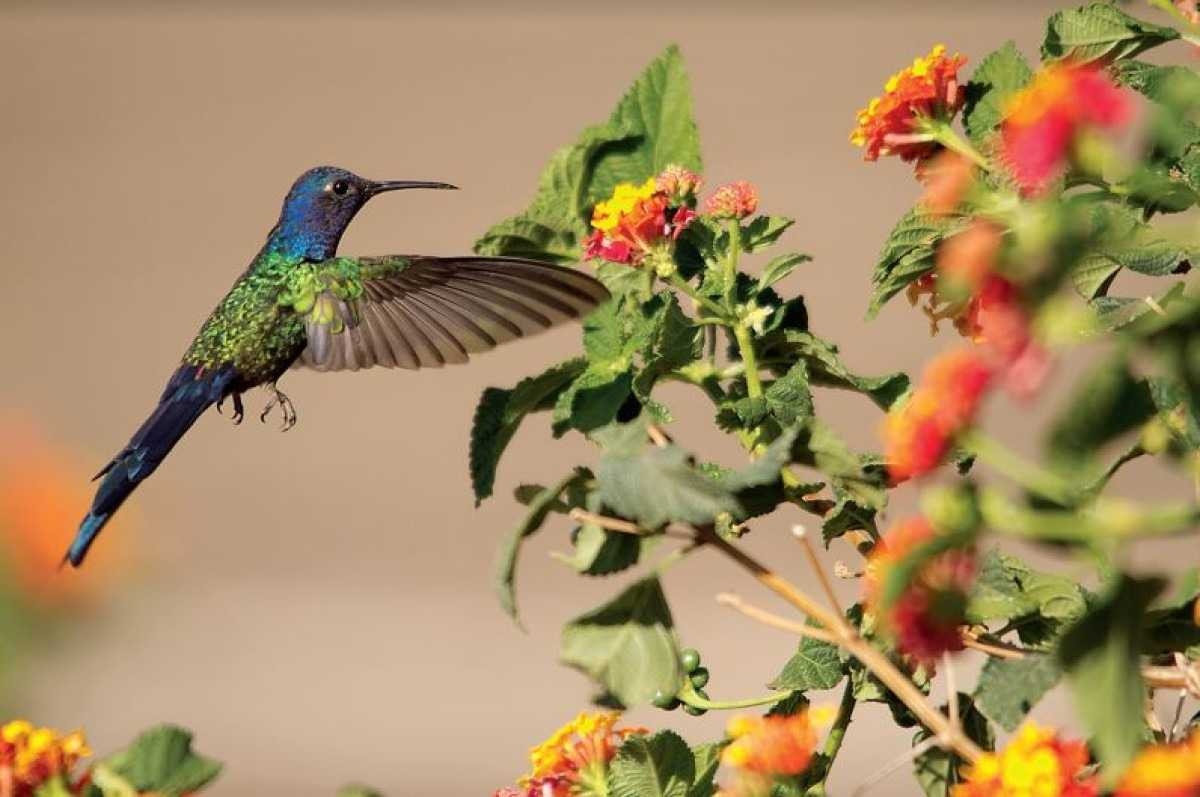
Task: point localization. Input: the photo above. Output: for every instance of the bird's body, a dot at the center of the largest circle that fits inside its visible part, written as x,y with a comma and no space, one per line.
299,305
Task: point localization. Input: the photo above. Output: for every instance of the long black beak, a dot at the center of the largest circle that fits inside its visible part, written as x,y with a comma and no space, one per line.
399,185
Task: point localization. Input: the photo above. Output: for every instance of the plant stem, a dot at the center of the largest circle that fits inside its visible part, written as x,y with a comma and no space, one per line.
731,263
745,343
944,134
691,697
685,287
1032,477
833,742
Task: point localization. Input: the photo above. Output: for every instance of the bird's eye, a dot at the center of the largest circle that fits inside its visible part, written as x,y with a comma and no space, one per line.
340,187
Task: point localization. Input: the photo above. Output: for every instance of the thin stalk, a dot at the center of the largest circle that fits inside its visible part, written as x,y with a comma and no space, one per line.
691,697
833,742
1015,467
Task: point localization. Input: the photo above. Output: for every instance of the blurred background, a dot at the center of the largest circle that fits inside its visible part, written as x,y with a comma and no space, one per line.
317,606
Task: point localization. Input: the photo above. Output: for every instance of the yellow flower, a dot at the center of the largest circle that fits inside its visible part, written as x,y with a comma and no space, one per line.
30,756
625,197
1036,763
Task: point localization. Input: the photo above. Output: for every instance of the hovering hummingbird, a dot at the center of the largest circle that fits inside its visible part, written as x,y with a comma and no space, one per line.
297,305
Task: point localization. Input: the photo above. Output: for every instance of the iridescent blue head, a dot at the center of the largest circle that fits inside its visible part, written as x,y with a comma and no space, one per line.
321,204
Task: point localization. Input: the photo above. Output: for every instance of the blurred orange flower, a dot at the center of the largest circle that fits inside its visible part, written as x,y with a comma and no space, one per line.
1035,762
44,491
918,433
1042,120
996,319
925,619
947,177
1164,770
32,756
764,748
890,124
574,760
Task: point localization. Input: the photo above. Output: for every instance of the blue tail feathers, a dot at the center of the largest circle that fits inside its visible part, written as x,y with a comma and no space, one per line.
190,392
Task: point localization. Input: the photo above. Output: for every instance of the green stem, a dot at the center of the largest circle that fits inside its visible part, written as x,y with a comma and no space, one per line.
686,288
745,343
731,264
944,134
1107,521
689,695
833,742
1032,477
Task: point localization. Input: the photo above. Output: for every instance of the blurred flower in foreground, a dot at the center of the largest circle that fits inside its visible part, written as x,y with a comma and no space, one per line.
1042,120
1164,770
894,122
947,178
574,760
996,319
1035,762
639,221
735,200
918,433
763,748
43,492
29,756
925,618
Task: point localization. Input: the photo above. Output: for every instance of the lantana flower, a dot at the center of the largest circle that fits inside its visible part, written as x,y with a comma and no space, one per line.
30,756
947,178
1042,120
918,433
894,122
996,319
641,221
926,617
574,759
764,748
1164,770
735,200
1036,761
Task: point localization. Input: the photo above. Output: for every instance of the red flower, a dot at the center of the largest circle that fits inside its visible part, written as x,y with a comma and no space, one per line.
636,221
1043,119
925,618
928,89
919,433
733,201
996,319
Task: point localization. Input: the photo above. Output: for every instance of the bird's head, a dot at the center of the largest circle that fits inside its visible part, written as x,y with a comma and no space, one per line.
321,204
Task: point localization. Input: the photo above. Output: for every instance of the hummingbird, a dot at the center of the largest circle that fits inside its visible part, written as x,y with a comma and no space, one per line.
299,305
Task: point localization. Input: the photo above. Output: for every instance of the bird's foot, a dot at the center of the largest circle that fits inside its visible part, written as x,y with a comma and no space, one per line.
239,411
285,406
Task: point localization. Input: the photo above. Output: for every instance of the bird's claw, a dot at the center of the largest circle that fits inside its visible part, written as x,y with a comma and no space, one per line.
239,411
285,406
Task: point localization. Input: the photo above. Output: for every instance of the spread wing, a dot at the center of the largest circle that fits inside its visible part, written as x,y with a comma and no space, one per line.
401,311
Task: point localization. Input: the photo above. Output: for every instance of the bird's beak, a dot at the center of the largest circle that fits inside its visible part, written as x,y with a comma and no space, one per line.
399,185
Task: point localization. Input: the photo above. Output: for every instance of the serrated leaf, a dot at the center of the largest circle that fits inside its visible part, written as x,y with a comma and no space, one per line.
161,760
627,645
826,368
908,253
1100,32
762,231
999,75
540,506
500,413
789,399
707,759
816,665
1008,689
661,765
780,267
997,593
1101,656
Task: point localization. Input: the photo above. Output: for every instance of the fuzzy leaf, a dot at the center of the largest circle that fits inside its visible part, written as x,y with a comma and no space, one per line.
826,368
1008,689
789,399
908,253
780,267
999,75
1100,32
707,759
661,765
762,231
816,665
161,761
627,645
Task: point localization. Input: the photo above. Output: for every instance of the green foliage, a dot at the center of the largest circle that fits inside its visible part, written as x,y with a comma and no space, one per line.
939,770
1100,32
661,765
816,665
161,761
1008,689
908,254
999,75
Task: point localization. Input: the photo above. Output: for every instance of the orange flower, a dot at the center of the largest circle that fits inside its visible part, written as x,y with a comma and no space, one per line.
966,259
574,760
1042,120
43,493
891,124
996,319
919,432
925,619
638,220
1035,762
1164,770
32,756
735,200
679,184
948,177
764,748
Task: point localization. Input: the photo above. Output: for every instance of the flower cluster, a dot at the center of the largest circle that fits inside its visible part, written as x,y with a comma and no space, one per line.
1041,121
640,221
574,760
764,748
918,433
925,618
1036,761
29,756
1164,770
735,200
893,123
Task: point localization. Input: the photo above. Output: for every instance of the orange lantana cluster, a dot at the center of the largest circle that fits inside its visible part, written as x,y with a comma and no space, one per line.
925,618
1036,762
574,760
919,433
640,221
890,124
764,748
1164,770
30,756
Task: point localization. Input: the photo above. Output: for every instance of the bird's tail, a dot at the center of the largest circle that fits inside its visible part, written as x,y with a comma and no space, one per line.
190,392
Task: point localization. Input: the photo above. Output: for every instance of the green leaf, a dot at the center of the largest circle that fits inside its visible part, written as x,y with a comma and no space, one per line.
939,770
1106,403
1100,32
707,759
1008,689
826,368
627,645
908,253
762,231
500,413
661,765
161,760
789,399
780,267
816,665
997,593
999,75
599,552
506,562
1101,655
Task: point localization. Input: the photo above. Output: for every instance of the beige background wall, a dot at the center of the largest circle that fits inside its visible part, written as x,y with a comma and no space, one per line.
317,605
